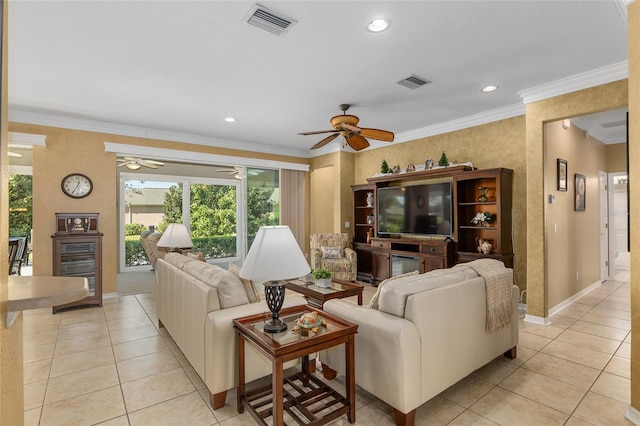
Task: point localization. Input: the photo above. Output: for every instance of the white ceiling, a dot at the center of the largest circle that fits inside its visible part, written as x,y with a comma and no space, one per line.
176,69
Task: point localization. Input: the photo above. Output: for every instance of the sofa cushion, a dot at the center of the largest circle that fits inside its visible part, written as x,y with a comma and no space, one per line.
195,255
249,287
393,296
373,304
230,290
178,260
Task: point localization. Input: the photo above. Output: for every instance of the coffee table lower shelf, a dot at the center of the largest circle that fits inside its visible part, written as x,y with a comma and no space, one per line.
307,399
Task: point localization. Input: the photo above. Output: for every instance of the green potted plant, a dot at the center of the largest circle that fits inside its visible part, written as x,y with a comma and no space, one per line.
322,277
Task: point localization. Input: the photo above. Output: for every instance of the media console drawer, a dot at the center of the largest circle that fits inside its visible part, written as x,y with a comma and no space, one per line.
381,244
434,250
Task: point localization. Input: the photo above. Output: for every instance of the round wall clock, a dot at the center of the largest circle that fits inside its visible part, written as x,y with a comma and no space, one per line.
76,185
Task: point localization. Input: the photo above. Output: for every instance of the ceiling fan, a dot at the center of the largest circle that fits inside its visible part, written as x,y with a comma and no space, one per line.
134,163
347,126
236,171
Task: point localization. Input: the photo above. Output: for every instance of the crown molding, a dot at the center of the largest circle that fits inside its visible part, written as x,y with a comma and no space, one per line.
199,157
585,80
19,115
458,124
30,139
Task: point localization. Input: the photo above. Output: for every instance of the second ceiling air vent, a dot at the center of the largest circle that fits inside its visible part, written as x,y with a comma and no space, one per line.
268,20
413,82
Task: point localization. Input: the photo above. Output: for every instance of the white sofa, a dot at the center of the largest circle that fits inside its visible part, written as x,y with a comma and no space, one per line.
428,332
196,303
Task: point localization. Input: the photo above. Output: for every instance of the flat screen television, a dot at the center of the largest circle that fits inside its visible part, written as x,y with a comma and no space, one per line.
424,209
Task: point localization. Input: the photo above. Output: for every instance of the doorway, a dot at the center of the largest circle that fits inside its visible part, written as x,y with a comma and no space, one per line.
619,256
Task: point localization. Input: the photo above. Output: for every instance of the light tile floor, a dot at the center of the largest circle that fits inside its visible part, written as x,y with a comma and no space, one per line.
112,366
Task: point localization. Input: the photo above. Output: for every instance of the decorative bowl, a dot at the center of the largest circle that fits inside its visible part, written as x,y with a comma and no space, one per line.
309,321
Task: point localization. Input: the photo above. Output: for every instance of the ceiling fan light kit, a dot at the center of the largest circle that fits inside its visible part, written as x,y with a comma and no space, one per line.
346,125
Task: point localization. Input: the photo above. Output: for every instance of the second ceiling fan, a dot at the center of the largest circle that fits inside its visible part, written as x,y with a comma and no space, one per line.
346,125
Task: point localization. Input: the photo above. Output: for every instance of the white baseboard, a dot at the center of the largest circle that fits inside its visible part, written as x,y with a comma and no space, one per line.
560,306
633,415
537,320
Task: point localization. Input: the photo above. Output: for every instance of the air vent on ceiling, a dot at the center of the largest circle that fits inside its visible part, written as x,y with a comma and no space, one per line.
267,20
413,82
614,124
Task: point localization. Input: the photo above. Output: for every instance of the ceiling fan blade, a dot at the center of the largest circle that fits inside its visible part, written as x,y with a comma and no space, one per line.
325,141
317,132
380,135
123,164
354,129
357,142
157,163
148,164
14,154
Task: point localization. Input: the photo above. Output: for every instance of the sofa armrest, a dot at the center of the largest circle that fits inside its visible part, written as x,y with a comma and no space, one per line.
387,351
221,369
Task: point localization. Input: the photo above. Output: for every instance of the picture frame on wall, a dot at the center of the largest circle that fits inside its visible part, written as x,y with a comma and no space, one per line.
562,175
581,192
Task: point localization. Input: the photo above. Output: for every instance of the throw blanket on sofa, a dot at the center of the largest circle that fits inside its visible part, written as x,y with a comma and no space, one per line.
498,282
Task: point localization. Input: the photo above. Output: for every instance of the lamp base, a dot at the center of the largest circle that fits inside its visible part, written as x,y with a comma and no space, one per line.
274,326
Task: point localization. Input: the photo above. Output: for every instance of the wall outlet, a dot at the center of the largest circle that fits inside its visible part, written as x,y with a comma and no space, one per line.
347,225
577,276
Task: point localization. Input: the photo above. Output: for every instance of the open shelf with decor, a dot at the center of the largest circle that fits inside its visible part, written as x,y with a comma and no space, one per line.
482,205
364,228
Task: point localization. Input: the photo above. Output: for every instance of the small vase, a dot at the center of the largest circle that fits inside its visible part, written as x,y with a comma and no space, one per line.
483,195
369,199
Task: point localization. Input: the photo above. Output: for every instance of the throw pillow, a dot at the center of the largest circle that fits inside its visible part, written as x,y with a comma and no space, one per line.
331,253
198,255
249,288
373,304
230,290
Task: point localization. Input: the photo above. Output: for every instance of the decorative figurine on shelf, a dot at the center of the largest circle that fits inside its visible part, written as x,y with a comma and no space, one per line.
411,168
384,168
396,169
484,246
428,165
483,194
369,199
482,219
444,161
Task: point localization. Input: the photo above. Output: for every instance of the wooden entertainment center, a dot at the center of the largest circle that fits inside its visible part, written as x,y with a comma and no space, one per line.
473,191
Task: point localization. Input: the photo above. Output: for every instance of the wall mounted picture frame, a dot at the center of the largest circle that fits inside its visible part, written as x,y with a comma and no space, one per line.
581,192
562,175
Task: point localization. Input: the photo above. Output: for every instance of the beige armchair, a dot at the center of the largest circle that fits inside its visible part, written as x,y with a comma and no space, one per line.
331,251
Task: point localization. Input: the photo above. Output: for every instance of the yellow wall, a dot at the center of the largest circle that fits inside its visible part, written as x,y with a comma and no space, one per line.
497,144
322,202
595,99
571,250
634,176
617,157
68,151
11,389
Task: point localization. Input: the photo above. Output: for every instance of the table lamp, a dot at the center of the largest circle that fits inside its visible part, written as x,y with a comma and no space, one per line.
274,256
176,237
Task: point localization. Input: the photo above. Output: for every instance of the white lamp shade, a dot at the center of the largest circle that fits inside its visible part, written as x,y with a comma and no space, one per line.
274,255
176,235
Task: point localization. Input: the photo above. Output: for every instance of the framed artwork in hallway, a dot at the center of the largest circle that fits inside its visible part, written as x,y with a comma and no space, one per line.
581,192
562,175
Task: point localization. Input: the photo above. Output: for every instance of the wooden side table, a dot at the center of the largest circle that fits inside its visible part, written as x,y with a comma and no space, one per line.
305,397
316,296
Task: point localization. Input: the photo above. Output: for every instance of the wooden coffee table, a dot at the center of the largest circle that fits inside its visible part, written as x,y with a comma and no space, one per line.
316,296
304,397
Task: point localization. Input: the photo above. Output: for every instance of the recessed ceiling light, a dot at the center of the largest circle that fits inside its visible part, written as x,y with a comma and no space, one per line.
490,88
230,120
378,25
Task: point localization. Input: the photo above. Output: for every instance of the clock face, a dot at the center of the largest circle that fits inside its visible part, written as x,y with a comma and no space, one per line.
77,185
